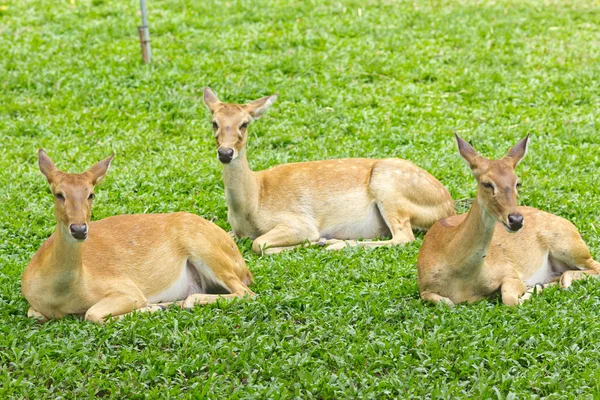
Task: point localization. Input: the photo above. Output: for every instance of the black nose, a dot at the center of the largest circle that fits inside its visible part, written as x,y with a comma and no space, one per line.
515,221
79,232
225,155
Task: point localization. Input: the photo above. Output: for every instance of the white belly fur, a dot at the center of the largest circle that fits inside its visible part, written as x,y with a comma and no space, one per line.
195,276
366,225
548,271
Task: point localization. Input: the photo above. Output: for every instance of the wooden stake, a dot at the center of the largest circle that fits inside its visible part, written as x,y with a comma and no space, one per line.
144,33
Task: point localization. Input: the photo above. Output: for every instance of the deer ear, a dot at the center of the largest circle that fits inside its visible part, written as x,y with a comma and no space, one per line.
468,153
46,165
517,152
258,107
210,99
99,169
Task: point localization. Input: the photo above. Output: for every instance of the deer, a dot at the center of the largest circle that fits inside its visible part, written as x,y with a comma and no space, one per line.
328,202
499,247
125,263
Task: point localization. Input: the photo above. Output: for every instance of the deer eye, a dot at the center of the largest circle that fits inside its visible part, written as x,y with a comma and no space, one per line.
518,185
91,196
60,196
244,125
487,185
215,126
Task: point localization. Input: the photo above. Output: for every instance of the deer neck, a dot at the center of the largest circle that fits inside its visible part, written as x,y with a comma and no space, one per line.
66,257
472,240
241,185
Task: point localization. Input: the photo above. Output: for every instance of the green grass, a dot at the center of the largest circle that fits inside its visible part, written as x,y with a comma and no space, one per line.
356,78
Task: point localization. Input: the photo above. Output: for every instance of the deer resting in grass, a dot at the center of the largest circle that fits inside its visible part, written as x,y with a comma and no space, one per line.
129,262
324,202
498,245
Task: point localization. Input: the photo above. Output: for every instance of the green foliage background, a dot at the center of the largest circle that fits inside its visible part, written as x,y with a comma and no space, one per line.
356,79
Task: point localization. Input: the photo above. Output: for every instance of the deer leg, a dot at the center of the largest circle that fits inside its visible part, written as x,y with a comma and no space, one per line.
512,289
321,242
115,304
189,302
203,299
569,276
150,308
537,289
399,224
228,271
283,237
436,298
573,253
38,316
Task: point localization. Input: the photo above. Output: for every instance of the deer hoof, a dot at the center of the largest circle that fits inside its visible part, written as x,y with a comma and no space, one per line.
336,246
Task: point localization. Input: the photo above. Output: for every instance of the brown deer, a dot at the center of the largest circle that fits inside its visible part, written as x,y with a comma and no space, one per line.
128,261
324,202
499,245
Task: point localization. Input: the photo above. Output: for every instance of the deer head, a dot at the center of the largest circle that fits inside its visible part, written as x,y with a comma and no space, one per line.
230,123
73,193
498,186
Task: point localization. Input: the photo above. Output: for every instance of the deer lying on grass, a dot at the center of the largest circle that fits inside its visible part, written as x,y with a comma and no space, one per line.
128,261
288,205
499,245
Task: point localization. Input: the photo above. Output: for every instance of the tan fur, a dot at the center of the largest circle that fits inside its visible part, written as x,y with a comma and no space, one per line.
321,201
125,260
468,257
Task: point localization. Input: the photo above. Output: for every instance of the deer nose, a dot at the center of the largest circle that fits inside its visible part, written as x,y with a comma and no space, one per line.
515,221
79,231
225,155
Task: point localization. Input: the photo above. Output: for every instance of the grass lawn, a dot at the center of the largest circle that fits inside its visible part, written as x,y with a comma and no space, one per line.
356,79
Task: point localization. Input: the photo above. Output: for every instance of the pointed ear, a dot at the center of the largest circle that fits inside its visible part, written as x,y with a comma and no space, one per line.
258,107
210,99
99,169
517,152
46,165
468,153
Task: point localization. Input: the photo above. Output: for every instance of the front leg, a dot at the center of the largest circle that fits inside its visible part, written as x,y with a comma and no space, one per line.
436,298
203,299
284,237
512,289
115,304
38,316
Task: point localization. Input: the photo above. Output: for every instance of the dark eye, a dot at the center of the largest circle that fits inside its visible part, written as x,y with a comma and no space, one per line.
487,185
518,185
244,125
59,196
215,126
91,196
